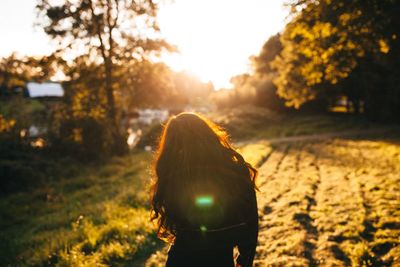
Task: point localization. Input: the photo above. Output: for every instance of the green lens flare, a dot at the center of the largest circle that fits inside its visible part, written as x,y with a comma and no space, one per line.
204,201
203,228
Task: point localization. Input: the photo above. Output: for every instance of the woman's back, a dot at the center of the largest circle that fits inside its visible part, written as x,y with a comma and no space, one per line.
211,228
204,196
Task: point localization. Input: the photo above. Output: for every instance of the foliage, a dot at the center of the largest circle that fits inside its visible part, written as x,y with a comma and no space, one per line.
113,73
6,125
141,80
18,114
84,109
329,42
106,32
15,71
256,87
150,136
86,139
271,48
84,91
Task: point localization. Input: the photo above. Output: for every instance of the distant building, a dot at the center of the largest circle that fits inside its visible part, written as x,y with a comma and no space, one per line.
50,95
44,90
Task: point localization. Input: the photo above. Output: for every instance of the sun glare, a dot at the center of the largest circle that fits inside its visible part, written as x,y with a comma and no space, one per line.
216,38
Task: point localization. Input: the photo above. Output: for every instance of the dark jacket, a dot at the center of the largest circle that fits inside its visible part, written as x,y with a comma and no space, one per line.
208,234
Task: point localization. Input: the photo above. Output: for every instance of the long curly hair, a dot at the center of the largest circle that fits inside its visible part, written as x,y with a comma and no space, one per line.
194,155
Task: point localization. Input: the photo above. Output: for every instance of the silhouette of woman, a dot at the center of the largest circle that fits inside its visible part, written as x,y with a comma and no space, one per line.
203,196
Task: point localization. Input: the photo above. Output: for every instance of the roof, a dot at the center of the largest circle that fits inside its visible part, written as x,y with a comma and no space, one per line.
44,89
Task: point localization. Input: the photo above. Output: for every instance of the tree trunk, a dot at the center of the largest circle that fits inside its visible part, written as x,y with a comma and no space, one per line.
119,145
109,90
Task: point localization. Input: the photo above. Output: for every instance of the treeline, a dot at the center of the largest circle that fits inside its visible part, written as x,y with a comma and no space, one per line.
76,127
79,119
329,50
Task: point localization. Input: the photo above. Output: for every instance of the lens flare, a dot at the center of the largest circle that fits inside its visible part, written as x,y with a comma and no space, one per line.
204,201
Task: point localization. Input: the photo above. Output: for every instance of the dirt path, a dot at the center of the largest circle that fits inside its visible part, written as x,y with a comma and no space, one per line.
332,203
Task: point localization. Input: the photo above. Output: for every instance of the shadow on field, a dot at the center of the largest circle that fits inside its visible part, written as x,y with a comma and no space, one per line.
342,194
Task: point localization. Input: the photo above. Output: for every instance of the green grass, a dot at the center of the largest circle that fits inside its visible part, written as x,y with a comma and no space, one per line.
250,123
99,217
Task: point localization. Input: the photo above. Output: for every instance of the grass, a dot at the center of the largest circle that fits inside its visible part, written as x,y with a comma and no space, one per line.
333,203
99,217
250,123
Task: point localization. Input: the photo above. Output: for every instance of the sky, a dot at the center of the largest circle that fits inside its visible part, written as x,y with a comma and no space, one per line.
215,38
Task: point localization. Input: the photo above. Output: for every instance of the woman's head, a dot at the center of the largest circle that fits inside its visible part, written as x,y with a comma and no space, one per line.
194,156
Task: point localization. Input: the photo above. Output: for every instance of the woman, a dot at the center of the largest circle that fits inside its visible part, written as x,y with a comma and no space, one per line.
203,195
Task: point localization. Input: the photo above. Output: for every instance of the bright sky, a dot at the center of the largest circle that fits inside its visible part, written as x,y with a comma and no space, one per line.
16,29
215,37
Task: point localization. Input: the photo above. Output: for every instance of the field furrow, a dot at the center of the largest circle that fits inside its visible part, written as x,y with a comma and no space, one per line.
285,201
331,203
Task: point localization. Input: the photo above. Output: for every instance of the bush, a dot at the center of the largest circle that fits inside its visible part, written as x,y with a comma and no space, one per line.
150,136
16,176
86,139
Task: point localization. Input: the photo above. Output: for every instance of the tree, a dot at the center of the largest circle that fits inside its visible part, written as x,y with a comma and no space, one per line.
262,62
15,71
109,32
257,88
264,73
329,41
142,81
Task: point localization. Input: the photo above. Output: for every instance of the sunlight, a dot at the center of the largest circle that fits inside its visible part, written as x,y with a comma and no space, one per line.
114,152
216,38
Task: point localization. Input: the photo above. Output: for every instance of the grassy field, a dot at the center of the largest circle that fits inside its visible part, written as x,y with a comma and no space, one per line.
328,203
98,218
251,123
331,203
